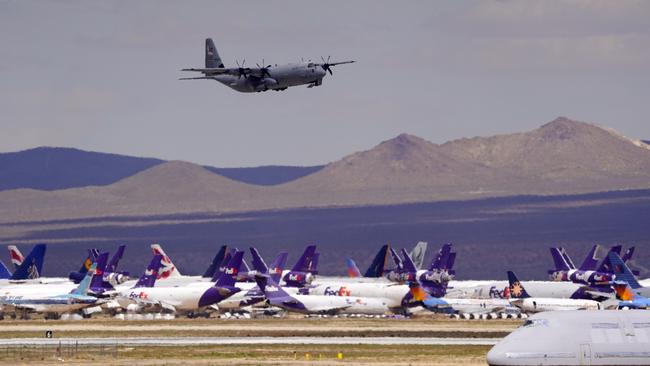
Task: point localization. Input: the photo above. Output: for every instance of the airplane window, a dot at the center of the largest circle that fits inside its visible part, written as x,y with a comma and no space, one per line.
311,64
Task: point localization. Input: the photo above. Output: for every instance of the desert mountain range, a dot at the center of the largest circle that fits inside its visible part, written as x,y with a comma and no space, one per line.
560,157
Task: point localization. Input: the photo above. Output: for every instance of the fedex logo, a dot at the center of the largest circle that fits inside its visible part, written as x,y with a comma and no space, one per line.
295,277
342,291
138,295
275,270
231,271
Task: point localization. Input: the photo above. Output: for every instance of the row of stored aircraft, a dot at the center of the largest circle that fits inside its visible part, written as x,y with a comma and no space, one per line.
229,283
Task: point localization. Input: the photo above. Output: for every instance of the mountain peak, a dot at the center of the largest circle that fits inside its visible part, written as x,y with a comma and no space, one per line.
563,128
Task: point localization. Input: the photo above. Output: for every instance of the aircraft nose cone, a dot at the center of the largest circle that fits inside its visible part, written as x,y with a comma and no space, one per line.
495,356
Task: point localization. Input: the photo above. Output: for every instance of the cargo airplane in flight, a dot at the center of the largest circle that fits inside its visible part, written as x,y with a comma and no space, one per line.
263,77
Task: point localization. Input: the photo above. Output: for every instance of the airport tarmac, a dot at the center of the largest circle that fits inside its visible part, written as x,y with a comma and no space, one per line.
185,341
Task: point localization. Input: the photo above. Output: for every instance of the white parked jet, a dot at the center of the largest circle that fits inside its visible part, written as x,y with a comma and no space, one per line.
520,298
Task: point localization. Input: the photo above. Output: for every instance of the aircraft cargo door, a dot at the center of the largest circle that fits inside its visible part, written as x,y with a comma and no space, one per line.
585,354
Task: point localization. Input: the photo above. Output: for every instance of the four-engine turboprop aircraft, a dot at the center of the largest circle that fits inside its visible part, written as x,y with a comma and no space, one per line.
263,77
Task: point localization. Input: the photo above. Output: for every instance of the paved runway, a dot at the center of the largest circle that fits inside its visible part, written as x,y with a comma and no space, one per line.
193,341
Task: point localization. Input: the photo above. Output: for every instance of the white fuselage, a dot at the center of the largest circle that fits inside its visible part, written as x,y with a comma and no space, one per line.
540,304
608,337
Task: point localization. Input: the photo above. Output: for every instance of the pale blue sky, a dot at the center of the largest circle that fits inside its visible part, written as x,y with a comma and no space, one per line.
102,75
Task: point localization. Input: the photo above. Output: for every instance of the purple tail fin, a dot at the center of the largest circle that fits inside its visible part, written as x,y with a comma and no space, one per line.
378,265
408,265
148,278
440,260
275,271
270,288
567,259
628,254
399,266
229,275
258,262
302,265
591,262
112,264
216,262
559,260
97,284
313,264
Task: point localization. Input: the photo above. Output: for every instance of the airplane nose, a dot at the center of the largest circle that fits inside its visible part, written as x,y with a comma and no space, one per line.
496,356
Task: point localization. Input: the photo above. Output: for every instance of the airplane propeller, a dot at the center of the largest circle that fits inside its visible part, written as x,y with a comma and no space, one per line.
326,64
241,69
264,70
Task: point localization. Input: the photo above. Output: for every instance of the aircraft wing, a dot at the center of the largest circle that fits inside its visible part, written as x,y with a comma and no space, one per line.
214,71
328,309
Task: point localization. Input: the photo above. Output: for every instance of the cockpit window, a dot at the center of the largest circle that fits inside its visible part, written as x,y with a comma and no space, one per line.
534,323
311,64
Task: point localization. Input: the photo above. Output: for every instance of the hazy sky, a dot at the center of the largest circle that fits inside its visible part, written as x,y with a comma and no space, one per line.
102,75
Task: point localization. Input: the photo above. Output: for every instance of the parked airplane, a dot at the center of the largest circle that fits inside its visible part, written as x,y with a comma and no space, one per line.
461,306
51,299
318,304
252,295
187,298
521,299
263,77
607,337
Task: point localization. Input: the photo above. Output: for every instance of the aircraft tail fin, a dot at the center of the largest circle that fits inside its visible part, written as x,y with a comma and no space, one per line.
353,270
111,266
4,271
399,265
622,271
313,264
79,275
229,275
212,58
216,262
304,262
270,288
407,264
559,260
84,285
590,262
417,254
275,271
148,278
258,262
441,259
517,290
16,256
97,283
168,269
32,265
378,264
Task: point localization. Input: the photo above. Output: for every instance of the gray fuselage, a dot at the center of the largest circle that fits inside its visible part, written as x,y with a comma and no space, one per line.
279,77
